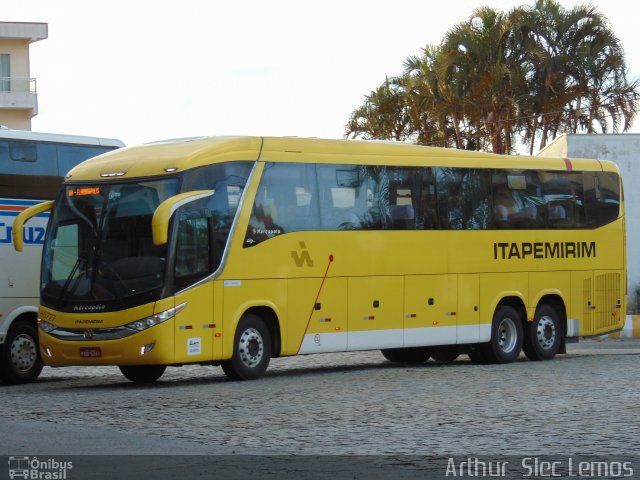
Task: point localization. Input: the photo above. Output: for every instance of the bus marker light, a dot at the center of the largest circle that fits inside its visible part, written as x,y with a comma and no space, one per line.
209,325
435,322
217,335
325,320
147,348
337,329
185,327
369,318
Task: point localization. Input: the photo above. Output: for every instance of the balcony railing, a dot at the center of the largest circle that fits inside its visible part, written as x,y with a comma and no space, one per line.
18,85
19,93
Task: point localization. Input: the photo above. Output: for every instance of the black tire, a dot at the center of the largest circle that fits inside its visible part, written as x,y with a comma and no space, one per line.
251,350
20,360
543,336
143,373
506,336
407,355
445,354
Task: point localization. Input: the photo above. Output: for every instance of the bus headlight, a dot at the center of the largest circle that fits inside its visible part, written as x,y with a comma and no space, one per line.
46,326
156,319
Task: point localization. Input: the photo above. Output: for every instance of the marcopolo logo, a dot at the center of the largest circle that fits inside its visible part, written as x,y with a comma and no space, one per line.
38,469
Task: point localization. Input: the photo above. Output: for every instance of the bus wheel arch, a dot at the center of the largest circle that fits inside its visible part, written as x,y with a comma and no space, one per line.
252,347
20,360
270,318
545,335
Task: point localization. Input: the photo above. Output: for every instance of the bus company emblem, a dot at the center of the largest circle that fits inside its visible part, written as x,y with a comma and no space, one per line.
303,257
88,334
543,250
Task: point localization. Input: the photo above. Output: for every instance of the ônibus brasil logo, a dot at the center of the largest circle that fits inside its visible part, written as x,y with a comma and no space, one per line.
33,468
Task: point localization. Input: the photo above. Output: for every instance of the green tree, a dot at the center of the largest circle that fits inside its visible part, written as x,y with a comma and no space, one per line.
528,74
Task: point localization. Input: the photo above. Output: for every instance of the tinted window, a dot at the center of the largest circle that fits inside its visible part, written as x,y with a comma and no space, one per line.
286,201
518,201
564,199
602,197
463,198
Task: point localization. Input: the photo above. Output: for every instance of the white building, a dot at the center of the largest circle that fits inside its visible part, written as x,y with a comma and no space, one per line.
624,150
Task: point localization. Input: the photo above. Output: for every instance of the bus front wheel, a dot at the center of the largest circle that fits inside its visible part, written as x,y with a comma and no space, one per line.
251,350
143,373
542,336
20,361
407,355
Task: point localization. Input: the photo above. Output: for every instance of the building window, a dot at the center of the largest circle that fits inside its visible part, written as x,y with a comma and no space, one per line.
5,73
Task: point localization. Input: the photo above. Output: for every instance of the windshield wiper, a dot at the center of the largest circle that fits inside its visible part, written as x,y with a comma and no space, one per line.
81,259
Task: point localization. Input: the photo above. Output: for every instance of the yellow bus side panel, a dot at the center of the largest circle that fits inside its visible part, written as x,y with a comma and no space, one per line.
375,312
323,321
430,310
468,313
548,283
241,295
194,326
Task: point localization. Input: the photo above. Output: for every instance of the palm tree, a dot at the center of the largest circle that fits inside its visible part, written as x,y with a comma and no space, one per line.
534,71
382,116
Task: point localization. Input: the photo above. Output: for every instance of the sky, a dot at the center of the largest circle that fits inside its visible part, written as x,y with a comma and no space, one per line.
144,70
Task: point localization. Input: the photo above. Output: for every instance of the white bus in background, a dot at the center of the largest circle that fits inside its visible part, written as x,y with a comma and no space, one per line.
32,166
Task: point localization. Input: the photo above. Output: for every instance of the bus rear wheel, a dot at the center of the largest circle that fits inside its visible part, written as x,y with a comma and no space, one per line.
251,350
407,355
143,373
20,360
543,335
506,336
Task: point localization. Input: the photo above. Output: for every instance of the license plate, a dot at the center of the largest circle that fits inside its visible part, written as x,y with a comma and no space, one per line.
91,352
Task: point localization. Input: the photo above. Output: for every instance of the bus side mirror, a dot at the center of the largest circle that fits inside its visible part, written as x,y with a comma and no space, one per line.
26,214
162,215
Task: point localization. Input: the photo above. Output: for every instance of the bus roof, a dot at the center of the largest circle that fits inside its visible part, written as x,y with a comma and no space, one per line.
165,157
58,138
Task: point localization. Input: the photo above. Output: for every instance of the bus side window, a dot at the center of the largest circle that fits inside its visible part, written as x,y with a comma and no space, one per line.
517,200
427,216
601,197
564,198
285,202
193,252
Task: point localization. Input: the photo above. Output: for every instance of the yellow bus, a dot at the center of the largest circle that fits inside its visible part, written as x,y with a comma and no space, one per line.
233,250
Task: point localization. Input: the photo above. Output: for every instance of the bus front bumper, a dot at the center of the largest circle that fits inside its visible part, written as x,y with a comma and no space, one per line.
154,346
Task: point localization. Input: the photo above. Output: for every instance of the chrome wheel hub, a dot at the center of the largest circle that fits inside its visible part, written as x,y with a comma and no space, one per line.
251,347
24,353
507,335
546,332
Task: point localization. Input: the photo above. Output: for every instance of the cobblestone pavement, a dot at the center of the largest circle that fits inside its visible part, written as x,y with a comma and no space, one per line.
586,402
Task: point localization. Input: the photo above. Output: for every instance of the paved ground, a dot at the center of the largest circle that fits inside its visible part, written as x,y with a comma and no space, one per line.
586,402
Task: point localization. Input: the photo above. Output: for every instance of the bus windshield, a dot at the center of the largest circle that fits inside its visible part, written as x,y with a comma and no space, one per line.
100,249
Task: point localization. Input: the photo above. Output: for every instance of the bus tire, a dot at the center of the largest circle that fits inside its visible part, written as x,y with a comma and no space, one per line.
142,373
445,354
20,360
407,355
251,350
543,336
506,336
